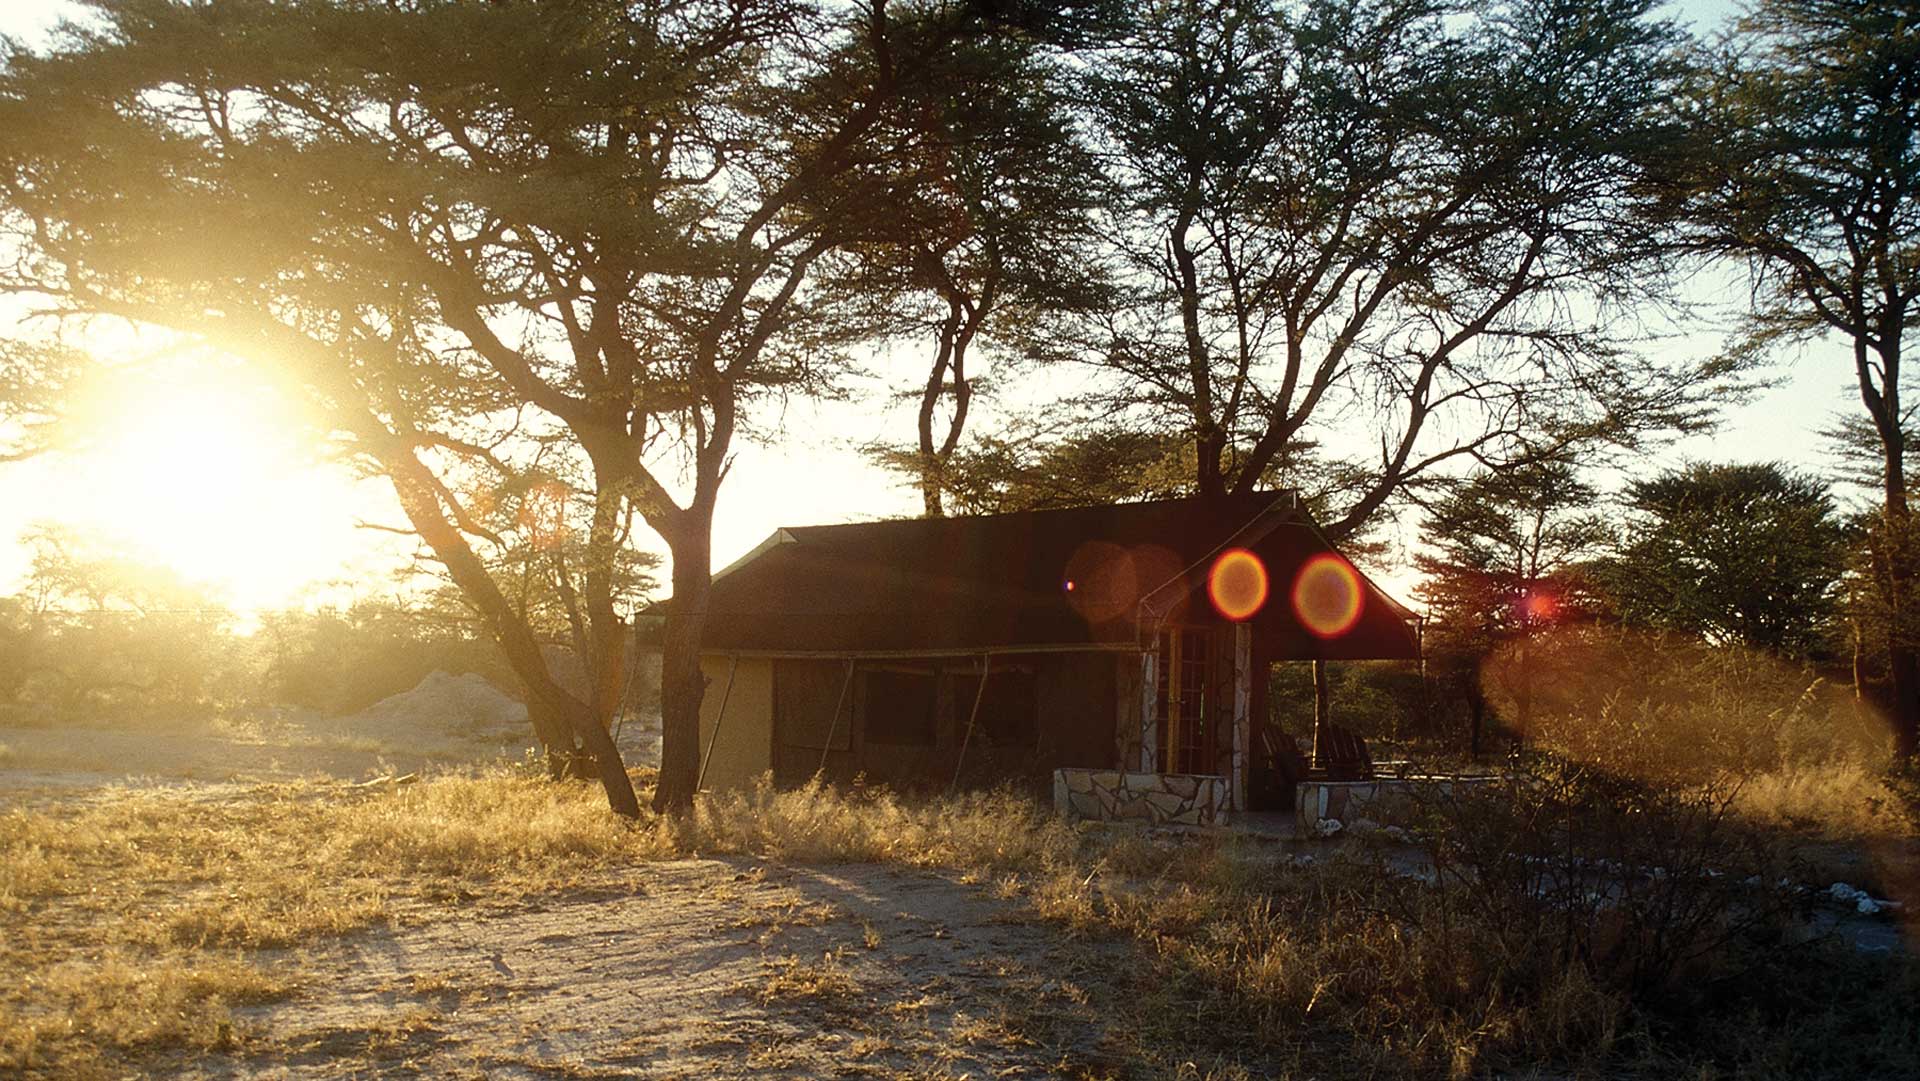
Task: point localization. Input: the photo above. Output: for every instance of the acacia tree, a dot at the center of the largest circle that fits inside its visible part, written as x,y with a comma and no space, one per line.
1504,562
985,234
1751,554
34,377
1015,470
467,230
1392,217
1805,163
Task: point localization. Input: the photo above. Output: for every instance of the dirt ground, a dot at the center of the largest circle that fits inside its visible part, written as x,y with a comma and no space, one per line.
694,968
699,968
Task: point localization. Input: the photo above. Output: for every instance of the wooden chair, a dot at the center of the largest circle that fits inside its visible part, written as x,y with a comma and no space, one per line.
1280,766
1343,756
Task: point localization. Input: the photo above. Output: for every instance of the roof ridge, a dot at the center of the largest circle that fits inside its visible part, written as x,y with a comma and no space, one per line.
1269,496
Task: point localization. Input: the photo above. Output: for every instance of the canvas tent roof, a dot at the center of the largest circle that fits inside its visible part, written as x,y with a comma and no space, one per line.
1071,578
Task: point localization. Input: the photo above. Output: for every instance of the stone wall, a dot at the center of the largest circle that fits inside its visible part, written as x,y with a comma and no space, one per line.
1324,808
1184,799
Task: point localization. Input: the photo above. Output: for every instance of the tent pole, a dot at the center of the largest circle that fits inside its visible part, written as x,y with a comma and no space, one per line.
834,727
733,664
626,691
1322,739
986,663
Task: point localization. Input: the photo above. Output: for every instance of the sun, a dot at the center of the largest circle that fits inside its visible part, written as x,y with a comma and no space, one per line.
214,476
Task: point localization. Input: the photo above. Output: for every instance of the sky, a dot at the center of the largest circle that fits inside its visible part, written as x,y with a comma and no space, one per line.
223,480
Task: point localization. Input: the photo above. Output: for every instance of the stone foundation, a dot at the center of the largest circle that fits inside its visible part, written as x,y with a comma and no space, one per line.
1182,799
1323,808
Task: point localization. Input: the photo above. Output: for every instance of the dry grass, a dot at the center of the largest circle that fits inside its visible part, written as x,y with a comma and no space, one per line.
814,824
130,924
826,984
163,878
132,1006
1844,799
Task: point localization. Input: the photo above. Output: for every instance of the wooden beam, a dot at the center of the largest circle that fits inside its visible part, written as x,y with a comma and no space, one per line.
986,661
834,726
733,665
1149,724
1176,702
1242,711
1322,739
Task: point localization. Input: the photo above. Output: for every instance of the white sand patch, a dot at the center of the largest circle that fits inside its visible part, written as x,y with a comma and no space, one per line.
444,716
462,705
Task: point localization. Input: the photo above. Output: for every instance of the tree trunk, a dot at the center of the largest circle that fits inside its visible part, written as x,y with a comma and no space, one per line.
415,487
607,633
554,735
1902,669
955,335
1859,655
931,503
1523,705
681,683
1476,719
605,757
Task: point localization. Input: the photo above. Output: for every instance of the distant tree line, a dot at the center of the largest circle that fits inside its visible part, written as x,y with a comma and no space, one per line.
1391,253
96,636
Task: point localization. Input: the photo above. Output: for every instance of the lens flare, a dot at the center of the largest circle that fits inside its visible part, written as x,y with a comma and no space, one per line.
1327,596
1237,584
1539,606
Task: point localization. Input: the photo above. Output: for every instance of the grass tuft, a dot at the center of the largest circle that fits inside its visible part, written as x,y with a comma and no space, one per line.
124,1003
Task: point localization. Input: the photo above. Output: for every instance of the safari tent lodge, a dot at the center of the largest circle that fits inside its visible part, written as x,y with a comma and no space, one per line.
1117,653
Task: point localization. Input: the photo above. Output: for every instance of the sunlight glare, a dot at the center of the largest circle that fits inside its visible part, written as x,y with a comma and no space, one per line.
213,477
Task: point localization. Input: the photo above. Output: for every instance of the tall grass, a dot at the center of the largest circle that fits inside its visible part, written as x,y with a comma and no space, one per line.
1216,949
1795,750
981,831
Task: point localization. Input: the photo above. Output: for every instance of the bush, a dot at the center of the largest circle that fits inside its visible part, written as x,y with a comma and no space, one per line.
1562,922
1647,889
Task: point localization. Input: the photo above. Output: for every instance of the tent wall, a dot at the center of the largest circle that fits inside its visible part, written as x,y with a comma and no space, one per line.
904,722
745,748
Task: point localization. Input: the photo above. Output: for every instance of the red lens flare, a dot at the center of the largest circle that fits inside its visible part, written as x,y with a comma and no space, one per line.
1237,584
1539,607
1327,596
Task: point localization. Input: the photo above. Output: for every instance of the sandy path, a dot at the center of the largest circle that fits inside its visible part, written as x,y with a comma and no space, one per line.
698,968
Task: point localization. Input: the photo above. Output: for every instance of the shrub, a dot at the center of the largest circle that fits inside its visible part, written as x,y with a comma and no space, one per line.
1647,889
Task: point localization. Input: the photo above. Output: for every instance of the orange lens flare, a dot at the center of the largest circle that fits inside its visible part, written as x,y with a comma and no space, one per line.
1237,584
1327,596
1539,607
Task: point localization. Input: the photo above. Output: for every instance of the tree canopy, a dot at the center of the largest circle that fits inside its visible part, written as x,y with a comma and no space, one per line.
1804,162
1507,559
543,266
472,233
984,236
1388,217
1747,554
